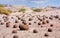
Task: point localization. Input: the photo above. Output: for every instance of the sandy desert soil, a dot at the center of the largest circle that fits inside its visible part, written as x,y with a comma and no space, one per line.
45,24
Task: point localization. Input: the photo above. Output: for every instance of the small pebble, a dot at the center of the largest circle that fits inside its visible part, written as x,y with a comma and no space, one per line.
1,23
16,21
49,30
30,19
59,19
43,18
29,23
15,36
56,16
15,26
39,23
46,35
51,25
34,22
8,24
50,18
47,21
35,31
39,19
24,22
14,31
43,22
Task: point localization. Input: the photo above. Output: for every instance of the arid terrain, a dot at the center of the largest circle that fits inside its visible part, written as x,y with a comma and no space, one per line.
26,22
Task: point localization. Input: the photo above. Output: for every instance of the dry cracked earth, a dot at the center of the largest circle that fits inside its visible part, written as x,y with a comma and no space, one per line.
30,25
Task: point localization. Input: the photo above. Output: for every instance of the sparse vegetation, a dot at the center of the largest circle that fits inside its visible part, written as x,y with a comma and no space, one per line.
22,10
1,5
37,10
4,11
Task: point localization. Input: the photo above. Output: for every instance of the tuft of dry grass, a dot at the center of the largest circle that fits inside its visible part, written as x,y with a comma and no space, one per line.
22,10
37,10
4,11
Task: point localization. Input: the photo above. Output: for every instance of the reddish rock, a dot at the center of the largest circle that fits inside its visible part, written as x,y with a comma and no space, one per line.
14,31
15,36
23,27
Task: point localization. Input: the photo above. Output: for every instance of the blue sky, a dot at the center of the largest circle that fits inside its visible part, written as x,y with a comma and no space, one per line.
32,3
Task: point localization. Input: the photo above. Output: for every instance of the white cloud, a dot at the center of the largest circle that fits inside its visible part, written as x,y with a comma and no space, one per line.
35,1
9,0
40,1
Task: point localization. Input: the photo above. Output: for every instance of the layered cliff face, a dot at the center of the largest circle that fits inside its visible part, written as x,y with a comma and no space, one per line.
30,23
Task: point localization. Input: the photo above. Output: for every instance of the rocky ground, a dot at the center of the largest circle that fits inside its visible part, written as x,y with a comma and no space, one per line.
45,24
